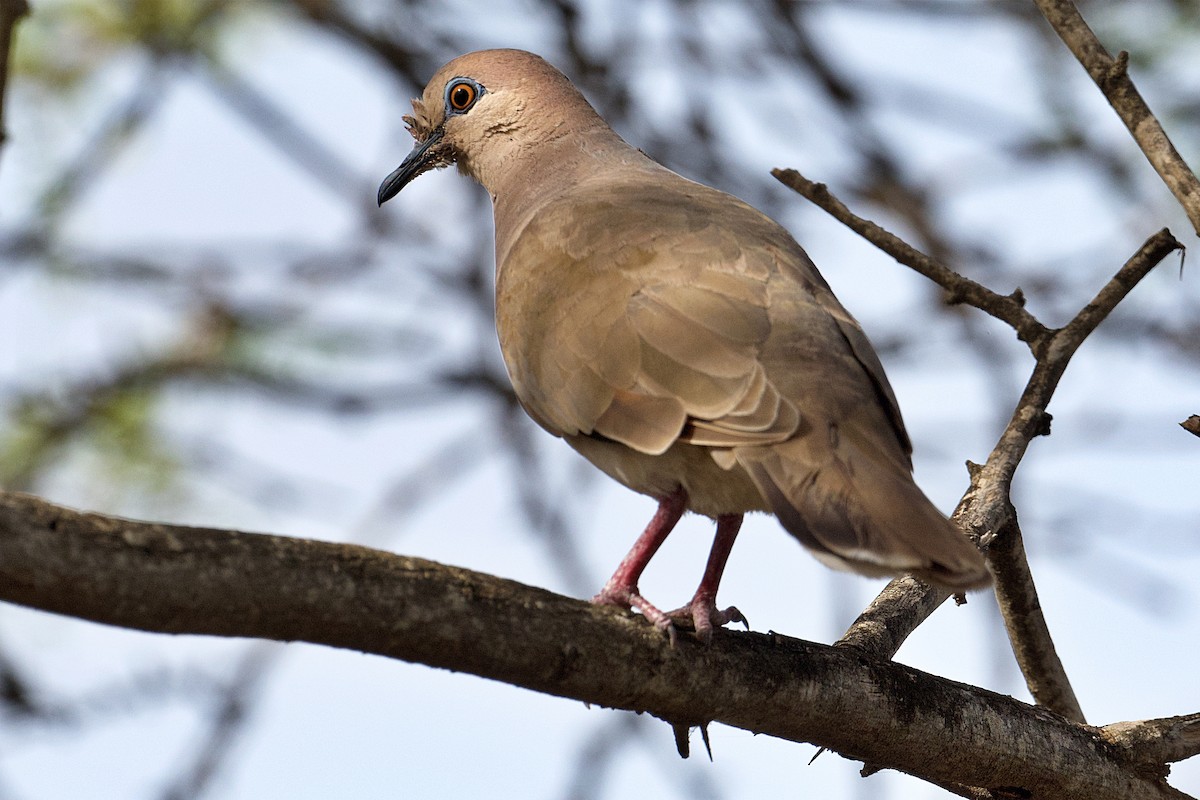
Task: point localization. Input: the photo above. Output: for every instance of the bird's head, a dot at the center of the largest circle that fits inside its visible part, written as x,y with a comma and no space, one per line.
485,112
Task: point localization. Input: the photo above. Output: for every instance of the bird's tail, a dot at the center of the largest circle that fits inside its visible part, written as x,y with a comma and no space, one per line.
857,508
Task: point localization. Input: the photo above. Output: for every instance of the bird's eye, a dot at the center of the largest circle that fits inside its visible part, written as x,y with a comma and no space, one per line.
462,95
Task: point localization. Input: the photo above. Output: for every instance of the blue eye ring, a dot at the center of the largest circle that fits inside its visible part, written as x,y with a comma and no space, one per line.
461,94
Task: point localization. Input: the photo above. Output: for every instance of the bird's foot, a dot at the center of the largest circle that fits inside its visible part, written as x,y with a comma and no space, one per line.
628,597
703,616
700,615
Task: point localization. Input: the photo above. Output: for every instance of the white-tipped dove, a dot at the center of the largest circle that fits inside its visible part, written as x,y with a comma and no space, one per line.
679,339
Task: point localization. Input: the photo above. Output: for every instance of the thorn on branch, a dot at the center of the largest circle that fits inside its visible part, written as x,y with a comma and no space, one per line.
1191,425
1018,297
704,738
681,731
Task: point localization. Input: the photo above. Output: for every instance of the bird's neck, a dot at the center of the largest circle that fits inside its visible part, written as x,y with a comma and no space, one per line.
526,179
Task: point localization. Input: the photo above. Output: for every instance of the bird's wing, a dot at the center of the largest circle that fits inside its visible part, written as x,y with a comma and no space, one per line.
668,313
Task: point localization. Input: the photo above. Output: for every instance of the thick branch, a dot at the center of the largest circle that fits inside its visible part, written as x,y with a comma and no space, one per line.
1111,75
895,613
192,580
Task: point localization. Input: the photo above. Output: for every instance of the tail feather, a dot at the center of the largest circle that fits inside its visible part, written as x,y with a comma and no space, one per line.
858,508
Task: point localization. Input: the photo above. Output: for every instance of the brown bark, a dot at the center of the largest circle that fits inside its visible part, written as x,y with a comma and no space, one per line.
176,579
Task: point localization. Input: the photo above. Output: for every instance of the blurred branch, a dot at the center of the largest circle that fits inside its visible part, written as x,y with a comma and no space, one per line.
545,515
1112,76
265,115
403,58
147,688
210,352
107,142
15,694
613,738
49,421
179,579
11,12
228,720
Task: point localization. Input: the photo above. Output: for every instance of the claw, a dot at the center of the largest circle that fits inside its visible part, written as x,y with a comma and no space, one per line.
703,617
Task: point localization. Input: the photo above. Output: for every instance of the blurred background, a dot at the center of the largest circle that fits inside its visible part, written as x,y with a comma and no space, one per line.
205,319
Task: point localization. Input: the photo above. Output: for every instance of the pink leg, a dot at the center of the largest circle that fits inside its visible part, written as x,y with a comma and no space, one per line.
621,589
702,609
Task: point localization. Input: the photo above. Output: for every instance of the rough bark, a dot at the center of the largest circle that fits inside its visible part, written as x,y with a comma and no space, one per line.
176,579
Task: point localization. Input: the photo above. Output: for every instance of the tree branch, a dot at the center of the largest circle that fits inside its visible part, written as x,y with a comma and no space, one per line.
178,579
959,289
986,511
1157,741
1111,75
1027,630
895,613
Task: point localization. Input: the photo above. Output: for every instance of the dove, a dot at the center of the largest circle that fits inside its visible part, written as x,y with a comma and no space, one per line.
679,339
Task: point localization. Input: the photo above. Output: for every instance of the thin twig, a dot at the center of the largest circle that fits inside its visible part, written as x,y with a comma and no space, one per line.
959,289
1154,250
1112,76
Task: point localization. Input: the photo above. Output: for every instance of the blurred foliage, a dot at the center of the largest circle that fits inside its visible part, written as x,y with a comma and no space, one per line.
66,42
115,424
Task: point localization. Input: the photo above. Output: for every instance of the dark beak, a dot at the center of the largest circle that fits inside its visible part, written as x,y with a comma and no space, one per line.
418,161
